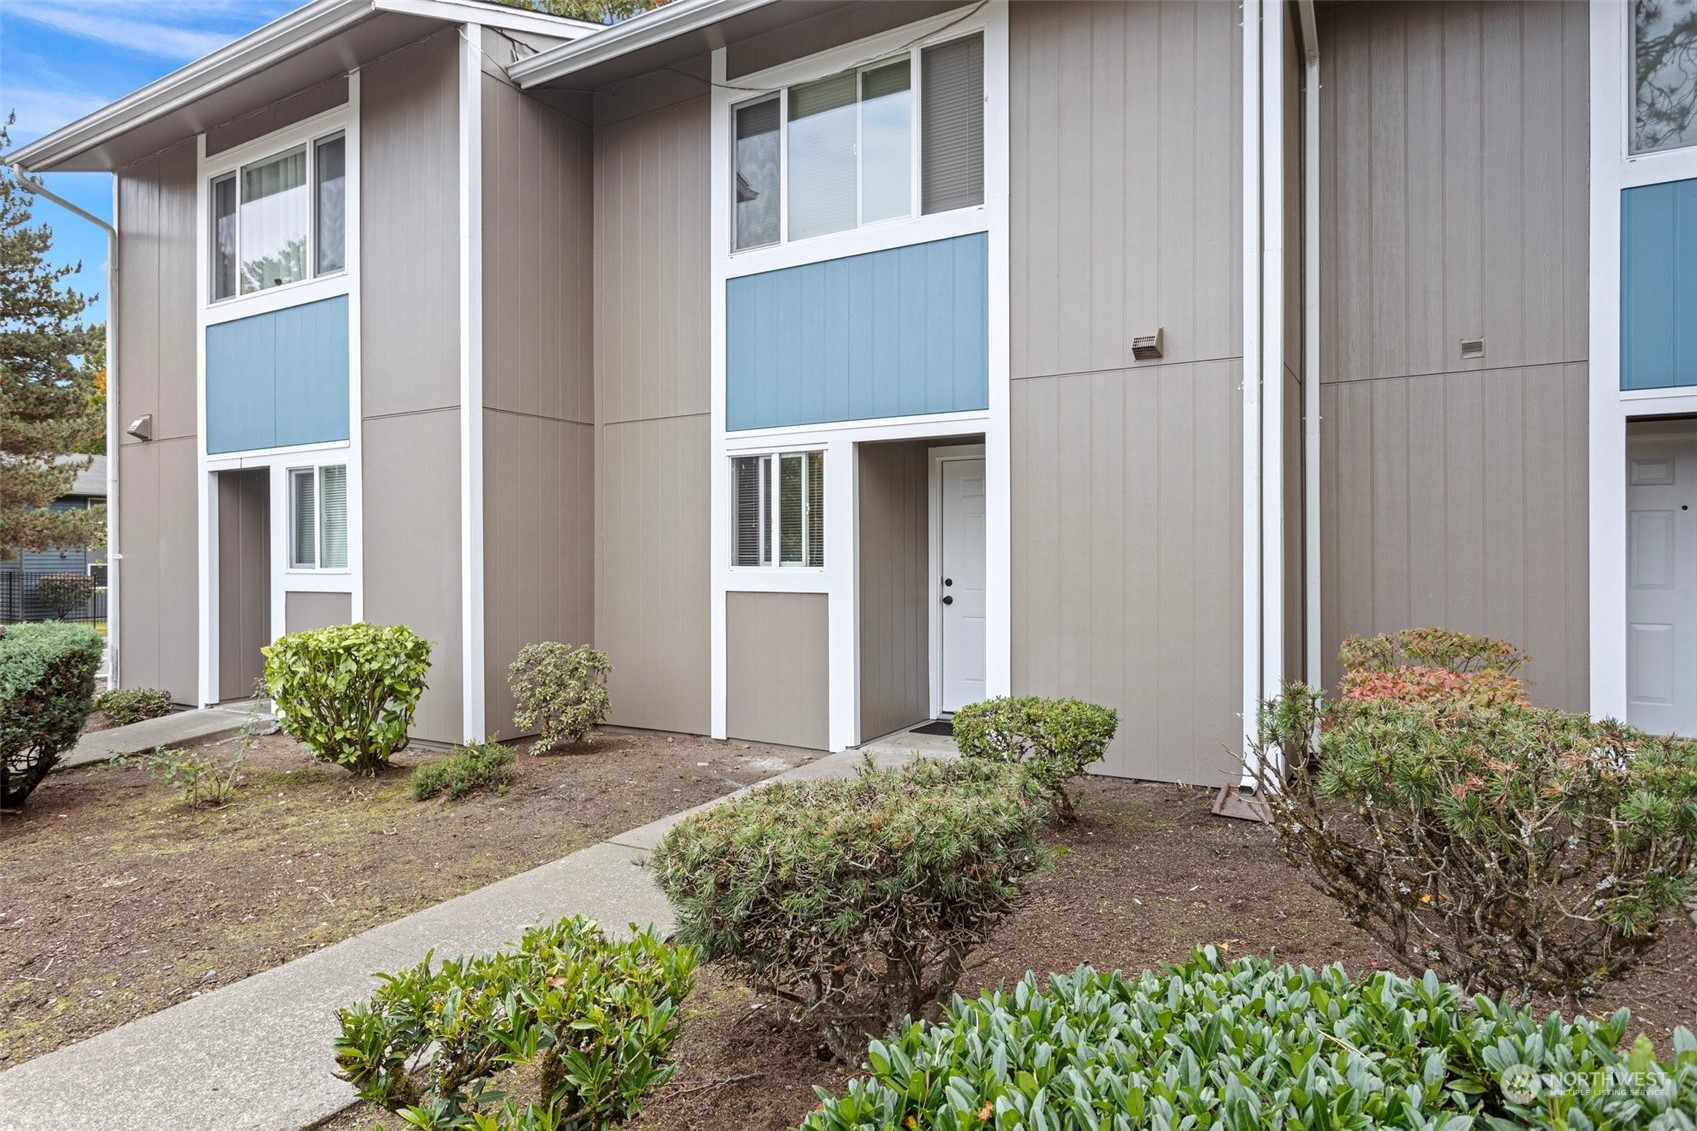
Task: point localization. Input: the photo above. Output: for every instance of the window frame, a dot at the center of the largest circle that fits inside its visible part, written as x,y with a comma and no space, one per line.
773,510
784,78
292,562
308,133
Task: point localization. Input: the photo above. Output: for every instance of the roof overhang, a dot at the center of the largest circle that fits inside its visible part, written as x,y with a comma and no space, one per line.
681,30
314,43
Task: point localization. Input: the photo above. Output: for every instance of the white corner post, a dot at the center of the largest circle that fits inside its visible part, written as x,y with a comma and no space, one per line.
998,431
1252,382
472,726
1313,653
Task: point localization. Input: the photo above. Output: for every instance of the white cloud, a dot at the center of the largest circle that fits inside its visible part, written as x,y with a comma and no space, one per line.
42,109
184,30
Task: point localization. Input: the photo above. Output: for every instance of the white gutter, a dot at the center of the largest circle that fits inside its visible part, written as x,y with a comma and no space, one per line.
35,188
657,26
261,49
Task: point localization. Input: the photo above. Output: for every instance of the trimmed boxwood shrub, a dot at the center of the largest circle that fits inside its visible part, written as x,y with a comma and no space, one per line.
1053,738
582,1022
46,695
348,691
1248,1045
1509,848
856,900
126,705
560,691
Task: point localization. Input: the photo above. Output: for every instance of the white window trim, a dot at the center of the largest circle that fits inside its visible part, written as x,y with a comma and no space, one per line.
839,579
1614,169
292,567
880,235
773,532
350,452
315,286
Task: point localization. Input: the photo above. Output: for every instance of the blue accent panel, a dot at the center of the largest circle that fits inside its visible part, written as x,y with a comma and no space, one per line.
1658,286
901,332
279,378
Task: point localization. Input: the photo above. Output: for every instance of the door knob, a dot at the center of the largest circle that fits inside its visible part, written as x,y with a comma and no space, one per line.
948,600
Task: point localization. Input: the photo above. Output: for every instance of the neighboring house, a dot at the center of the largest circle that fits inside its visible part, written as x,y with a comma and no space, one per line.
87,490
833,364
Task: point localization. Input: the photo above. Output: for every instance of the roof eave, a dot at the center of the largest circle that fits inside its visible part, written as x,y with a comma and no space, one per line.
657,26
256,51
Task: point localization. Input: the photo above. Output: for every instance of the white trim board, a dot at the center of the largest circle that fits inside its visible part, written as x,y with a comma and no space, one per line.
280,459
839,440
471,381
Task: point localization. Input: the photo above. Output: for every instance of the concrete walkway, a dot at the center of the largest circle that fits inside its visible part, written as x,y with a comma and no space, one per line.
184,728
256,1055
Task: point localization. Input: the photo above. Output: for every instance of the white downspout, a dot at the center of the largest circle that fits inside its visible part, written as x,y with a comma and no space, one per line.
113,558
1252,383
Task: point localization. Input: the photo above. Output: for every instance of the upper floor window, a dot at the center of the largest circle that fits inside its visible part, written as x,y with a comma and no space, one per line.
1664,74
280,219
858,148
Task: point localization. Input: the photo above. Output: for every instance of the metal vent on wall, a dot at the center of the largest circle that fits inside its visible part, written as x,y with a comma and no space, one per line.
1472,347
1147,347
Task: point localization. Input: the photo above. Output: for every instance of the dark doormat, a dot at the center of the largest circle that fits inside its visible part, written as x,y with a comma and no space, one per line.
944,727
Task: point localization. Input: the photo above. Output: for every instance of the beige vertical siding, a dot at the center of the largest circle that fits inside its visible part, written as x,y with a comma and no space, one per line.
895,590
538,384
409,360
830,29
1127,478
776,687
1453,205
651,400
244,579
303,611
284,112
156,375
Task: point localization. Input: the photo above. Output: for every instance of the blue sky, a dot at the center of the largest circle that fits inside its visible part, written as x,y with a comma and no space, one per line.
60,59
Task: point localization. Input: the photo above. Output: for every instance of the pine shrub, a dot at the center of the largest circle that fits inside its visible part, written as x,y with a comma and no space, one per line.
856,901
1250,1045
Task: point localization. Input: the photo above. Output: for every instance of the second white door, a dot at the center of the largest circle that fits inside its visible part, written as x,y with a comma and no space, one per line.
960,583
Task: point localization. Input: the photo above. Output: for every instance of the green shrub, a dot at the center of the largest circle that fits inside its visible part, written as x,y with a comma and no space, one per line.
46,695
857,901
1459,652
1054,738
482,765
560,692
1251,1045
126,705
198,779
584,1020
1510,849
62,594
348,691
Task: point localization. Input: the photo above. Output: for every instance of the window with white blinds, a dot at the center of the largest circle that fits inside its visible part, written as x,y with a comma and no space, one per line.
852,143
318,517
778,509
951,116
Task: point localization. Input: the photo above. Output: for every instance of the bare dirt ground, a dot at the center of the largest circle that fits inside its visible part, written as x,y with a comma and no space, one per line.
116,900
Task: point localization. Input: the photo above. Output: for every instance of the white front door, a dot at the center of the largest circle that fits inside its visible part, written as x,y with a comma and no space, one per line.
1661,582
960,585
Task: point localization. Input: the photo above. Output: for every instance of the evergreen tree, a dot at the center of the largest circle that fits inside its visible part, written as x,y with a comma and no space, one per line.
52,385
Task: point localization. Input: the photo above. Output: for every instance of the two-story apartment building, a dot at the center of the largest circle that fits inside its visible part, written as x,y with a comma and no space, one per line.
832,364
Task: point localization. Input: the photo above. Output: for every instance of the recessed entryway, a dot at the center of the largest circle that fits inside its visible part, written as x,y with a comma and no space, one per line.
1661,576
244,579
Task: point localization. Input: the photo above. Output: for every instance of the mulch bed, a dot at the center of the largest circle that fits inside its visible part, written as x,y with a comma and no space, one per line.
116,900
